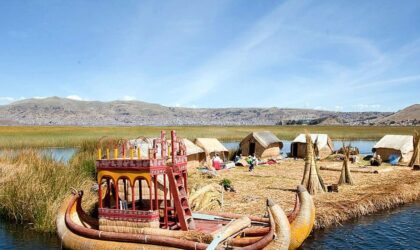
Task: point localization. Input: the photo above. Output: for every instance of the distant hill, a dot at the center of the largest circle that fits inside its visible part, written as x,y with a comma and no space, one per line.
407,116
63,111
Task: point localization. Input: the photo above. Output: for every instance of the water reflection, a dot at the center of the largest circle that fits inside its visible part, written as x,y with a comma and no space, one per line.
393,229
14,236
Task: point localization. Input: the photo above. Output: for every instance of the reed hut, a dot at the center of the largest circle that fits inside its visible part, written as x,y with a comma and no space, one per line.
400,145
141,145
323,146
211,146
264,144
195,155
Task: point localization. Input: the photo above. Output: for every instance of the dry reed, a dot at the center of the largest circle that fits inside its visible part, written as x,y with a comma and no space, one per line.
312,179
415,159
32,188
369,194
345,177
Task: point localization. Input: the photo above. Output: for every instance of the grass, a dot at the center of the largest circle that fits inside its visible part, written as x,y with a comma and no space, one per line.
53,136
32,187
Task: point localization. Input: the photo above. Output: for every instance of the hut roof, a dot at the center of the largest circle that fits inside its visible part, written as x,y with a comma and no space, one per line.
322,140
210,145
192,148
404,143
265,138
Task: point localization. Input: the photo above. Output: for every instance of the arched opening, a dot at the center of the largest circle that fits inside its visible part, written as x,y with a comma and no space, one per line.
107,192
125,191
142,194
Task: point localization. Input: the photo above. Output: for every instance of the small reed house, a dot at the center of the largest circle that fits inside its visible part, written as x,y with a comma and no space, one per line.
212,146
323,146
264,144
399,145
195,155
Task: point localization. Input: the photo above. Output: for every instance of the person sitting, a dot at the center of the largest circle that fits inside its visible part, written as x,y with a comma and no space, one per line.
238,158
376,160
217,162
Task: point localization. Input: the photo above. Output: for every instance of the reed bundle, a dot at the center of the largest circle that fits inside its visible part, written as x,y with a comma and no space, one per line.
205,198
415,159
345,177
312,179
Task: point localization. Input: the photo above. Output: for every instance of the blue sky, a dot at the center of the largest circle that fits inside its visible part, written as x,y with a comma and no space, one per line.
335,55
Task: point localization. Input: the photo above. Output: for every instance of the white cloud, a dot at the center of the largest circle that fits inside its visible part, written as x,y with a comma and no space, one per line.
367,107
6,100
318,107
338,108
39,97
75,97
129,98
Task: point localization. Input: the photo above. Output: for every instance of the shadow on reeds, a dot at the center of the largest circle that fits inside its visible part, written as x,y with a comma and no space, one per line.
283,189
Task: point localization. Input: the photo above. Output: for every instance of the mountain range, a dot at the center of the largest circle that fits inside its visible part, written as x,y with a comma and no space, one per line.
63,111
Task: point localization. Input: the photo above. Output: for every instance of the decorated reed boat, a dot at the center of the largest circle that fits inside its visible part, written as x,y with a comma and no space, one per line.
143,204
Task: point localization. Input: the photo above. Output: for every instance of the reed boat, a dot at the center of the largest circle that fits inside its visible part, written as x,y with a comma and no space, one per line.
128,217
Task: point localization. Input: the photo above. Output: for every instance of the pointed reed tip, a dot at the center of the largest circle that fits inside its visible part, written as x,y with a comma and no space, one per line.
270,203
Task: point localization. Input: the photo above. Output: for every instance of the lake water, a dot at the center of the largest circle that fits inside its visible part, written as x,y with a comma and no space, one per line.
14,236
59,154
397,228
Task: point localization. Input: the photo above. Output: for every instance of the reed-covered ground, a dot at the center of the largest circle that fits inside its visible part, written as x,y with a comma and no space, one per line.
53,136
371,192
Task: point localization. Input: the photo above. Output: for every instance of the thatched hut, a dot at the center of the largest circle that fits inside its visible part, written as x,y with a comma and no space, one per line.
145,144
195,154
323,146
264,144
400,145
211,146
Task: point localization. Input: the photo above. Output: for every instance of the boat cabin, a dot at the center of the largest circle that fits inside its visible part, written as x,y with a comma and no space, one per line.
137,191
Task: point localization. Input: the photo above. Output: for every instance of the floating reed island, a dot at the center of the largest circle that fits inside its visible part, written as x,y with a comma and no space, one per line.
370,192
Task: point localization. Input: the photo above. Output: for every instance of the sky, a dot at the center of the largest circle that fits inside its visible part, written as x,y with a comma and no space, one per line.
333,55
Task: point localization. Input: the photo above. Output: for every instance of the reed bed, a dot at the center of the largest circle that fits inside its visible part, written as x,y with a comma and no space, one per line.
32,187
370,193
56,136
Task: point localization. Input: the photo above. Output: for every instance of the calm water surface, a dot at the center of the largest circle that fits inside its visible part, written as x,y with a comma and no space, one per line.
59,154
398,228
18,237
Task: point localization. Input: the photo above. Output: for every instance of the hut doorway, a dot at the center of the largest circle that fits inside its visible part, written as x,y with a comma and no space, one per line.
251,148
294,149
